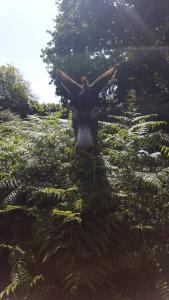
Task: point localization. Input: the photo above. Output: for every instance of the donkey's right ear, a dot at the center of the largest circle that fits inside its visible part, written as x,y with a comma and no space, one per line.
99,84
71,86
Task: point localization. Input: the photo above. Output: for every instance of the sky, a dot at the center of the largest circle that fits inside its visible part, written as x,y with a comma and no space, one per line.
23,25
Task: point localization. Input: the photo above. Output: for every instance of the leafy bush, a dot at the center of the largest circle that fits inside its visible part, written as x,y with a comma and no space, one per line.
15,91
44,109
84,227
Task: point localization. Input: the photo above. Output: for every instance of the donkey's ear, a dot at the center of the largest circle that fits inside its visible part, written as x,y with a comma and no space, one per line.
98,85
71,86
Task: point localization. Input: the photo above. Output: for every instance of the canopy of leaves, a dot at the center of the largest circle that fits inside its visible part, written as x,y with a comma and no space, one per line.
90,36
84,227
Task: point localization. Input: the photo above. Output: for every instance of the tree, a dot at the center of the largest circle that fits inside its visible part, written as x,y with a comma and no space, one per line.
15,91
91,35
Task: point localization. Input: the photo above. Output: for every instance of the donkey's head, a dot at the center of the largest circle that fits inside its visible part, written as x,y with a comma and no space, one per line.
84,105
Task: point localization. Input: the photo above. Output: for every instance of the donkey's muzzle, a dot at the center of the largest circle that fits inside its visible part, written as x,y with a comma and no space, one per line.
84,139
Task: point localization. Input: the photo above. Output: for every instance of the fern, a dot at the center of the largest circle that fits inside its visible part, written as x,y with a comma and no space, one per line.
149,180
165,150
142,119
144,128
165,138
121,119
80,227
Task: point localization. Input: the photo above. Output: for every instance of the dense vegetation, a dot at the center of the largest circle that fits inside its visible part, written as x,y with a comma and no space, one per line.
89,227
84,227
15,92
16,95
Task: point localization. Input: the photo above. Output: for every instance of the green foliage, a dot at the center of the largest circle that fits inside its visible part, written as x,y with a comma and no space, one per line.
15,92
83,227
90,36
16,95
44,109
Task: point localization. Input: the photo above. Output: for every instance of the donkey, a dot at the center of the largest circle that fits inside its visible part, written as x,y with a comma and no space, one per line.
84,105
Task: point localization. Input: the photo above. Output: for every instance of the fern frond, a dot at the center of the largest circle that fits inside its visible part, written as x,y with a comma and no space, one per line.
109,128
9,184
156,155
15,248
147,127
142,119
50,196
67,215
36,280
10,289
148,180
11,198
165,138
121,119
165,150
163,287
161,279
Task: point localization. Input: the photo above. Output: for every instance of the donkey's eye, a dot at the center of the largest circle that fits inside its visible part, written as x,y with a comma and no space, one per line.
74,112
94,112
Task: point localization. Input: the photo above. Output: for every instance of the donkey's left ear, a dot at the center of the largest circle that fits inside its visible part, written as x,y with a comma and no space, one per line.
99,84
71,86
